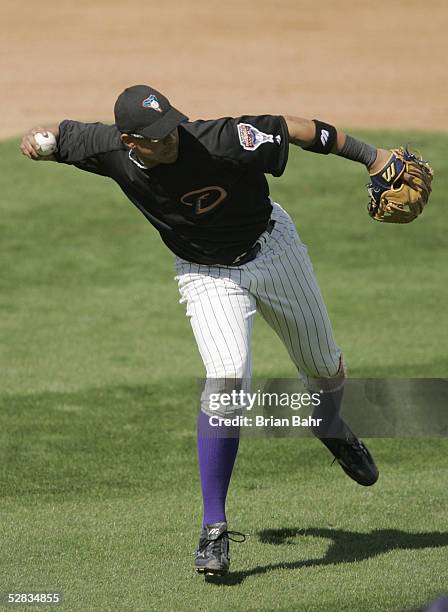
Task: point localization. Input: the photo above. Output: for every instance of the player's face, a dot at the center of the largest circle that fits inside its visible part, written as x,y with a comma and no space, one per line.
163,151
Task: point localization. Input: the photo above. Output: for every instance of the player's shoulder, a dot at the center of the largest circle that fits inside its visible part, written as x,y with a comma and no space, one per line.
110,136
240,130
199,126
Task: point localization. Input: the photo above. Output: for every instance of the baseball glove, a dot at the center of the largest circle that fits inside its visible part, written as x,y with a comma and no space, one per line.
400,190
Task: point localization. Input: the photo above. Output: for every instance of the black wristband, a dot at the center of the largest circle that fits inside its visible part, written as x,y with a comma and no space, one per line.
325,139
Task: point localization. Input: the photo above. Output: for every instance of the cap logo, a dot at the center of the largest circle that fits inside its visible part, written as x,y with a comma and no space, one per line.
152,102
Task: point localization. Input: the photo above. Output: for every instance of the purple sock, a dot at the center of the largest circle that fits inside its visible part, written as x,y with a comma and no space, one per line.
216,453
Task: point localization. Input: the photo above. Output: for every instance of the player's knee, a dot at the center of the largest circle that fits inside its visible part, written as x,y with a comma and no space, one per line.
327,381
223,397
228,368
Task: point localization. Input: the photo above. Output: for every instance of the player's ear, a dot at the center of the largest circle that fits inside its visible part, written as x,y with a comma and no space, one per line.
127,141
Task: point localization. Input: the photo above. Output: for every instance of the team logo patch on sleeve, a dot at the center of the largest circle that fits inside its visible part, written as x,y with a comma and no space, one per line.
251,137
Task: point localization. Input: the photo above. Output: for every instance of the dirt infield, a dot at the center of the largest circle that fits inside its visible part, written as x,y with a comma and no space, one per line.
345,61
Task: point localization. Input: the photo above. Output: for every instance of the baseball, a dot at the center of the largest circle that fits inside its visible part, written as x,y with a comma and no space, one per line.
47,144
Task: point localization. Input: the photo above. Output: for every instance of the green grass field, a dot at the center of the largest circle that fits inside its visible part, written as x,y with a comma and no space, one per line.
98,366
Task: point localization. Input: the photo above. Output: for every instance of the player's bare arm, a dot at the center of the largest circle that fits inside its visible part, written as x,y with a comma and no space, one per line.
29,146
304,132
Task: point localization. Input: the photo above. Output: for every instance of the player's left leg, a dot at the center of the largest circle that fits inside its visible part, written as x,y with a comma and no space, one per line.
289,298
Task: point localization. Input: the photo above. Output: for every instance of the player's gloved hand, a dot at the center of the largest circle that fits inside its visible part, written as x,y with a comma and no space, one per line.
400,189
29,146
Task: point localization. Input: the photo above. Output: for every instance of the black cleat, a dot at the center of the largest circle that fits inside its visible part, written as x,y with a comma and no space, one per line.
212,553
354,458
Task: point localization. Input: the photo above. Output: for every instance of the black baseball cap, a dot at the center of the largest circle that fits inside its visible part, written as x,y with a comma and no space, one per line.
142,110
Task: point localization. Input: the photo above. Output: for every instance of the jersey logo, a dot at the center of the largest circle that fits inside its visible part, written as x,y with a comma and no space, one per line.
205,199
152,102
251,137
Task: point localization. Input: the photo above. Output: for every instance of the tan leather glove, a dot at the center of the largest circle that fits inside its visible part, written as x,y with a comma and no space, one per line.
400,190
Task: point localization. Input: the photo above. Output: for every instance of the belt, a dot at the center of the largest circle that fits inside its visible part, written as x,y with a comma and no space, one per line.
254,250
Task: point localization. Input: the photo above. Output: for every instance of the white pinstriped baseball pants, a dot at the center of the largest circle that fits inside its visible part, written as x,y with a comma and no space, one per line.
280,283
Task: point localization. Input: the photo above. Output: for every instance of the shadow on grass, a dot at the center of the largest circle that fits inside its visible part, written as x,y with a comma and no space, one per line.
346,547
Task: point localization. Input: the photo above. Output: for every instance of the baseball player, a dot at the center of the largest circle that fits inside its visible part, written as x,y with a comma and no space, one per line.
202,185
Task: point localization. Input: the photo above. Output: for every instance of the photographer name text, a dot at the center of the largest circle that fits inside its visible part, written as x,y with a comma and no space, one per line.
261,421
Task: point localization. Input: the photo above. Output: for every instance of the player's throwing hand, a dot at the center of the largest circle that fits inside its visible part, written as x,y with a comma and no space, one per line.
29,146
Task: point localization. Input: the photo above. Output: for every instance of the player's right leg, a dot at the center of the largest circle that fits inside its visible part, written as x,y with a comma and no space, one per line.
221,313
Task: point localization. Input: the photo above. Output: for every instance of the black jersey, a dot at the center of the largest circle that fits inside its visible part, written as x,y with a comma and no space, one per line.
213,202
